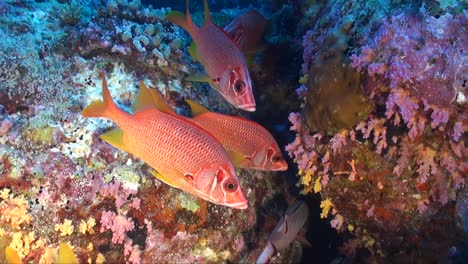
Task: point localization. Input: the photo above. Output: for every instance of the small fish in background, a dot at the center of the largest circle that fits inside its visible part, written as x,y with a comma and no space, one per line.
224,62
183,154
247,31
249,144
285,230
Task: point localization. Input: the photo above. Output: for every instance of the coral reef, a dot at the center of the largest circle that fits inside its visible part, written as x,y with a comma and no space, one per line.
60,183
389,173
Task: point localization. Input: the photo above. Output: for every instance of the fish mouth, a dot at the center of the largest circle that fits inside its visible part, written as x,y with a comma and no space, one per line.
241,205
248,107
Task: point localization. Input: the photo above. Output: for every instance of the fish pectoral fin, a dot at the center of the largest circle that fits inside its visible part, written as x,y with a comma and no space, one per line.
196,108
115,138
237,158
164,179
198,78
193,51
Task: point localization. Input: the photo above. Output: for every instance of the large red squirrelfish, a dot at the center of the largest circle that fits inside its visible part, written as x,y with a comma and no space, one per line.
247,31
184,155
249,144
224,62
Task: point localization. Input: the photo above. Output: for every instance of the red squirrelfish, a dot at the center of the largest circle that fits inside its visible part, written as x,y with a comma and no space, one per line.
249,144
247,31
183,154
285,230
224,62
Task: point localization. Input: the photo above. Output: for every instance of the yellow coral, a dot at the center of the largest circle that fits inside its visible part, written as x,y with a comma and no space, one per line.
87,226
307,178
5,193
318,185
49,255
14,210
326,205
66,228
21,243
100,259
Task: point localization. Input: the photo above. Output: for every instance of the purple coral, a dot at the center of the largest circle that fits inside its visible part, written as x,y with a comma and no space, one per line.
118,224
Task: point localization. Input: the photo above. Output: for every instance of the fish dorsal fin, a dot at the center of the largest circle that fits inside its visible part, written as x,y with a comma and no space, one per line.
164,179
160,104
150,98
193,51
207,11
143,100
237,158
115,138
185,21
196,108
66,254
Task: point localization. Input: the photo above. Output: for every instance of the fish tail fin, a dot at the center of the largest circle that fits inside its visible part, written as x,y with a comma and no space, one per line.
184,21
103,108
207,11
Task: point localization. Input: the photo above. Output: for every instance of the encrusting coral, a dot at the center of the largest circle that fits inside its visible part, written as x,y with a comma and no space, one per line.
393,172
59,183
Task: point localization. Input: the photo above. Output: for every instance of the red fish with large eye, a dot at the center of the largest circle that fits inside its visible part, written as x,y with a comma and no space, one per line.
224,62
184,155
249,144
247,31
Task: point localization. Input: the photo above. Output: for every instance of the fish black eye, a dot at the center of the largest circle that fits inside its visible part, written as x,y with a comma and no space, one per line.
230,186
276,159
239,86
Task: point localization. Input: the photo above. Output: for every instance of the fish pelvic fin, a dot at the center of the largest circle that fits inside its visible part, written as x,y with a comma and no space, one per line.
207,11
164,179
103,108
11,256
184,21
115,138
66,254
196,108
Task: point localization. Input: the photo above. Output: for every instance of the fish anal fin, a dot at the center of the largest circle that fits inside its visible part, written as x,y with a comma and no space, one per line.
196,108
115,138
237,158
164,179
